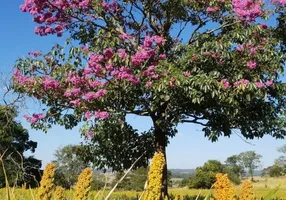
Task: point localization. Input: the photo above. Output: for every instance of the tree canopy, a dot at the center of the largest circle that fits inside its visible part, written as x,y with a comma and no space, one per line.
14,141
211,63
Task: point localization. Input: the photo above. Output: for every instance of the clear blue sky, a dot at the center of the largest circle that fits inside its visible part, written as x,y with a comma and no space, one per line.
188,149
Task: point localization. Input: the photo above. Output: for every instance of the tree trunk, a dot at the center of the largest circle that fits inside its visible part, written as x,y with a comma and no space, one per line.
161,143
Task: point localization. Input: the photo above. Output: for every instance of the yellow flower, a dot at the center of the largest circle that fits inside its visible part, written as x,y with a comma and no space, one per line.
224,189
47,183
82,187
247,191
59,193
155,176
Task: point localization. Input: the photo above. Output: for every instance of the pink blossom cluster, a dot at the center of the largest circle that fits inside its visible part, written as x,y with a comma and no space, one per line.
22,80
112,7
251,64
241,82
34,118
76,92
212,9
35,53
50,84
52,12
125,73
89,96
247,10
150,72
225,83
101,114
97,114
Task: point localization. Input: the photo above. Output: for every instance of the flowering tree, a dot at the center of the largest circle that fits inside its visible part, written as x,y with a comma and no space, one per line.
215,63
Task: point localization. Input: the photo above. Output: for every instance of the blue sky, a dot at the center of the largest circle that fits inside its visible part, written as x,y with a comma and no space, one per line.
188,149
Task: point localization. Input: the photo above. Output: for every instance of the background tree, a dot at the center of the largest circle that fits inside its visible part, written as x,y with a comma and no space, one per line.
235,164
68,166
14,141
205,176
281,161
138,62
251,161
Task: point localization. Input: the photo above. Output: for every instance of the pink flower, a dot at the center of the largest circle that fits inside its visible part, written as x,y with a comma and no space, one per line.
35,53
252,51
102,114
75,91
122,54
90,134
76,102
100,93
148,84
269,83
225,83
263,26
88,115
212,9
247,10
67,93
251,64
148,41
259,84
34,118
108,53
50,84
162,56
159,40
241,82
240,48
187,74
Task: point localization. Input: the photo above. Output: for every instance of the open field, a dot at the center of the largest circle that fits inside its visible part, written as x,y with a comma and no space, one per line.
20,194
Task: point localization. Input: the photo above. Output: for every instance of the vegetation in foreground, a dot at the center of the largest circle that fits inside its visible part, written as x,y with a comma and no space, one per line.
222,189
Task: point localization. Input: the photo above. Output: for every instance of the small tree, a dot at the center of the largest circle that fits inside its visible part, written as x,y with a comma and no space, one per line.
251,161
158,59
205,176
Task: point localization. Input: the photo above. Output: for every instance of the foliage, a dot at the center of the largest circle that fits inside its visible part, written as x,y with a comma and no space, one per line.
205,176
281,161
14,141
250,161
274,171
68,166
234,163
136,61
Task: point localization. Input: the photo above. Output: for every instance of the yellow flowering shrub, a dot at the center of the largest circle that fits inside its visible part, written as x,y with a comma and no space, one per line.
47,183
224,189
155,176
83,185
59,193
247,192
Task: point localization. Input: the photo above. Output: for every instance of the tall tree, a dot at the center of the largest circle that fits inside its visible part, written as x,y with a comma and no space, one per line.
251,161
68,166
235,164
192,61
14,141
